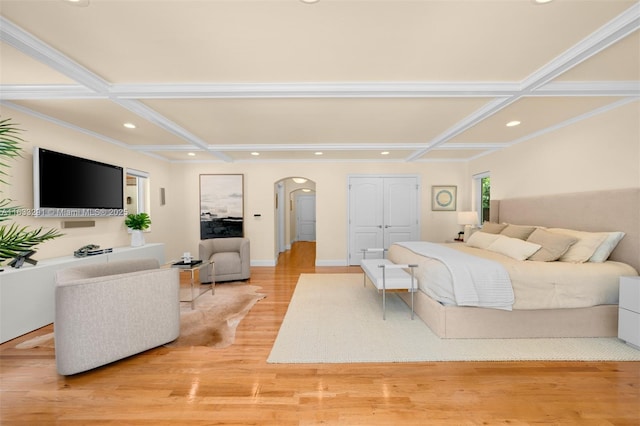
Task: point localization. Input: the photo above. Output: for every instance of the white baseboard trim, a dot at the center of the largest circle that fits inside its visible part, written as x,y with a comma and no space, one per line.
337,262
262,263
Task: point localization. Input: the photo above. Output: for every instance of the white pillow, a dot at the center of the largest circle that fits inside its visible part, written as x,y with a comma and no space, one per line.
604,250
515,248
584,248
481,239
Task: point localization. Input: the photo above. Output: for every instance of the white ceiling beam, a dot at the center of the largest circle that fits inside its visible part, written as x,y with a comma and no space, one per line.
15,36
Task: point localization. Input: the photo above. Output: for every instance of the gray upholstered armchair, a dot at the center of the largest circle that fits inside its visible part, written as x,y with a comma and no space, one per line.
109,311
231,257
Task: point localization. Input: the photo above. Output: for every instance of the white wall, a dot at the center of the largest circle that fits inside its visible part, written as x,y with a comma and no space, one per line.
331,201
109,231
600,153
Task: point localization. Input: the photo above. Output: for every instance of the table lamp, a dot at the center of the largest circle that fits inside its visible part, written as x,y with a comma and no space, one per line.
468,220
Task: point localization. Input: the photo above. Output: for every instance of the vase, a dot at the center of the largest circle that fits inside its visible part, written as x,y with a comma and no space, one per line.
137,238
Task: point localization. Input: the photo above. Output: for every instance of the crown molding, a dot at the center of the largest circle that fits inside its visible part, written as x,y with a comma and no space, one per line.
313,90
47,91
15,36
616,29
592,88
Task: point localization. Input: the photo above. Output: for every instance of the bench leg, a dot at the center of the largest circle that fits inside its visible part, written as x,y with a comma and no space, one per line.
384,294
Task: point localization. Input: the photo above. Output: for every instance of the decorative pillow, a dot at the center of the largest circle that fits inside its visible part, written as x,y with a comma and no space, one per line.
481,239
515,248
604,250
553,245
584,248
493,228
518,231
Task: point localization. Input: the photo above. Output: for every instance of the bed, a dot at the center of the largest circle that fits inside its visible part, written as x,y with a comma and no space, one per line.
550,299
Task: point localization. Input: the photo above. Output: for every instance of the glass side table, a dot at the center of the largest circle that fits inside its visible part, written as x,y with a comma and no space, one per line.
195,288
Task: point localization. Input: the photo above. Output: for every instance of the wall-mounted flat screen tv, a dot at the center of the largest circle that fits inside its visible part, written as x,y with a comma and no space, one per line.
69,186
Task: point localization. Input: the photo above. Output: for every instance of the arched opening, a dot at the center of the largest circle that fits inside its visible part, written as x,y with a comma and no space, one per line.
295,213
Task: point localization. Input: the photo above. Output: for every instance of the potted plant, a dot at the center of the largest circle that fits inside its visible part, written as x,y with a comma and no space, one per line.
137,222
15,239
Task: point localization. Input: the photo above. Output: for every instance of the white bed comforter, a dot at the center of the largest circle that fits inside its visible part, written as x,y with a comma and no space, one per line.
536,285
475,281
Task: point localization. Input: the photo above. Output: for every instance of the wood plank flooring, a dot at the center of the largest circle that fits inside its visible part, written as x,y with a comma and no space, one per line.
235,385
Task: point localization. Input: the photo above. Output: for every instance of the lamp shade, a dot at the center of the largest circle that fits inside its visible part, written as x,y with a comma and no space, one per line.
467,218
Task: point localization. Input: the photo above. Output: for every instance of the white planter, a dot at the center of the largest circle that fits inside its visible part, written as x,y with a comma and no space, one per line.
137,238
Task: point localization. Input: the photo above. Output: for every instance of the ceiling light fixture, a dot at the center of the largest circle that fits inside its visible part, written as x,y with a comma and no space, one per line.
309,1
317,153
513,123
129,125
255,154
78,3
542,1
191,154
299,180
384,153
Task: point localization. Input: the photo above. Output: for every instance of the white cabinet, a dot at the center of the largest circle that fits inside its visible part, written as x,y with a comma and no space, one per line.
27,294
629,311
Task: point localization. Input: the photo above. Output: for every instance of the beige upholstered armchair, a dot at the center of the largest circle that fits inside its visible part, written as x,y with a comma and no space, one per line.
108,311
231,257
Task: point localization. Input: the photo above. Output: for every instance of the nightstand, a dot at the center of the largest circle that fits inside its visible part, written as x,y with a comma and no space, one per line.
629,311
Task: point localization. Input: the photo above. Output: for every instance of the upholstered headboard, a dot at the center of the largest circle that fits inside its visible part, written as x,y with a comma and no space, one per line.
615,210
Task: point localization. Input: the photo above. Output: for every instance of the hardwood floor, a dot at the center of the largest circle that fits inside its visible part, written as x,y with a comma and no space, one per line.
235,385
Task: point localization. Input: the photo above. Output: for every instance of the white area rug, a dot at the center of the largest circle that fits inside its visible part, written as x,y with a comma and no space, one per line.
332,318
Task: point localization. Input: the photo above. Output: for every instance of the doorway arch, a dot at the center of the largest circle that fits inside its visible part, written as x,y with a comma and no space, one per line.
288,192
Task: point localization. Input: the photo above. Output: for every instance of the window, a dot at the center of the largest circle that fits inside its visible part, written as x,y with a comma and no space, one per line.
482,187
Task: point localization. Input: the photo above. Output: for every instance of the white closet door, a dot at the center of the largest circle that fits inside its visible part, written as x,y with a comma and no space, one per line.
400,208
365,216
382,210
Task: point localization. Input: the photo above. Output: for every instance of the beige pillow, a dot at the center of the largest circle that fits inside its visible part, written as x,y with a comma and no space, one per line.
493,228
553,245
604,250
481,239
517,231
515,248
584,248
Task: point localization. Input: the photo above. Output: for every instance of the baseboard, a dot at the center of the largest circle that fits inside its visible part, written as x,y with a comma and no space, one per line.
331,262
262,263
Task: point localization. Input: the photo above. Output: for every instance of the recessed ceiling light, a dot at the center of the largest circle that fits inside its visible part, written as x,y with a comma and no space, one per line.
129,125
317,153
79,3
309,1
384,153
513,123
191,154
306,190
542,1
255,154
299,180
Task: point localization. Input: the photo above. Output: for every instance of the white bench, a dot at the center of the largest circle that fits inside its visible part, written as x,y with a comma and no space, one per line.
386,275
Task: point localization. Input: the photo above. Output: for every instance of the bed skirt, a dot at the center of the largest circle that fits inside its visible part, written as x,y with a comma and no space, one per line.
455,322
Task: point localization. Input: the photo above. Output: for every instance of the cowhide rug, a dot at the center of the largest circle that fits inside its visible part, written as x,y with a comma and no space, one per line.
212,323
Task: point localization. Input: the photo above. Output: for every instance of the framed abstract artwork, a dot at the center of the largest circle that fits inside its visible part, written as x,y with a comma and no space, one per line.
221,206
444,197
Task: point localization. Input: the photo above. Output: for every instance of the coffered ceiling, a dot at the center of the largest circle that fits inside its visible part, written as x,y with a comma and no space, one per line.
423,80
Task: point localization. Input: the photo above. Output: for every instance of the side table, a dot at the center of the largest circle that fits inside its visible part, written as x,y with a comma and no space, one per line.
629,311
196,288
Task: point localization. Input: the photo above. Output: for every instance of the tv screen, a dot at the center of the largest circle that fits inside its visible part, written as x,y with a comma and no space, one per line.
69,186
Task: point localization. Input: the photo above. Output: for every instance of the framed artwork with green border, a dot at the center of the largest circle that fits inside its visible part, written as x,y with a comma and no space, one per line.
443,197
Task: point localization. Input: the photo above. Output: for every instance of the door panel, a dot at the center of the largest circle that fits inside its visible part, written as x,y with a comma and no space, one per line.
365,216
306,210
400,210
382,210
